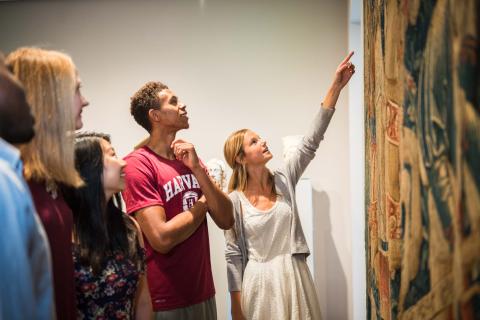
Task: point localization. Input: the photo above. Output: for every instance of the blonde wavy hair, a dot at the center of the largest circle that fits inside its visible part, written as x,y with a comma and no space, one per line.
233,150
49,79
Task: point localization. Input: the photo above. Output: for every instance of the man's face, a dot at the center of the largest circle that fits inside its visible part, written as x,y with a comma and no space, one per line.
172,112
16,119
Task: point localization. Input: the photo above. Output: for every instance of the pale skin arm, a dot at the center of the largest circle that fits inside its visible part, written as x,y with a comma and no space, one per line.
297,164
163,235
342,75
235,297
143,303
219,205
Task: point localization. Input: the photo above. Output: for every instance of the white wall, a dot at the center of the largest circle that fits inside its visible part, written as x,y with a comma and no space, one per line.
264,65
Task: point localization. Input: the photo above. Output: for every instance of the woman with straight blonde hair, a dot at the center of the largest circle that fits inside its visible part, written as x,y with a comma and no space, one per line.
52,88
266,250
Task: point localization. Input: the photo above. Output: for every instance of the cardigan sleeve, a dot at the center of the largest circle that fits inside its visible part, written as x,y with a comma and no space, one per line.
233,252
298,162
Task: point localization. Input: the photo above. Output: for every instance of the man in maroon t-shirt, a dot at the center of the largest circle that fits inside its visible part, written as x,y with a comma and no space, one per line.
169,193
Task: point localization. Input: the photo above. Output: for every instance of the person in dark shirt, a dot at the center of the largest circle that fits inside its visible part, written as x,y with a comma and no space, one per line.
25,272
52,87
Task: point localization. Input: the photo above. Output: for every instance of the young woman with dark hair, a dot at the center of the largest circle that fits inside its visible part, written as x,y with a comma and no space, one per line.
107,244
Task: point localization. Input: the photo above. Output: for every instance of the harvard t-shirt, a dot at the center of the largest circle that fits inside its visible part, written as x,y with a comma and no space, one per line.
183,276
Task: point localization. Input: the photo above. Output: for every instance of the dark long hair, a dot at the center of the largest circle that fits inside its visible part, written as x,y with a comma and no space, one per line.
100,227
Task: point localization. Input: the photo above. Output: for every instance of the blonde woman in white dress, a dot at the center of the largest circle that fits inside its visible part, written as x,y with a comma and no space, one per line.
266,250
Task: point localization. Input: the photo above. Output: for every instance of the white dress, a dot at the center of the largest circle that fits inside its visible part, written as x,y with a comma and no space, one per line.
276,285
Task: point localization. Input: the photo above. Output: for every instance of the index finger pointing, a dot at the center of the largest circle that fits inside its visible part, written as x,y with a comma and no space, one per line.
348,57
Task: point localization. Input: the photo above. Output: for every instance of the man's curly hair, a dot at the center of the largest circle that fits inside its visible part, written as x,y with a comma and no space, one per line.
143,100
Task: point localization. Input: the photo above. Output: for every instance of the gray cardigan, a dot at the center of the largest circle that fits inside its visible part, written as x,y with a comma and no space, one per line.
286,179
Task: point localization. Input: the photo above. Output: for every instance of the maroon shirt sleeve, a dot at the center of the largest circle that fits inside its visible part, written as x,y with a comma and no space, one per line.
141,186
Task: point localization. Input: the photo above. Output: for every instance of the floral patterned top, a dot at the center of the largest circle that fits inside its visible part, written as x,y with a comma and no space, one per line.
111,294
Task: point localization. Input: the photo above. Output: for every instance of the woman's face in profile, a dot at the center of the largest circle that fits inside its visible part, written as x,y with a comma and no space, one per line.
113,175
79,102
255,149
